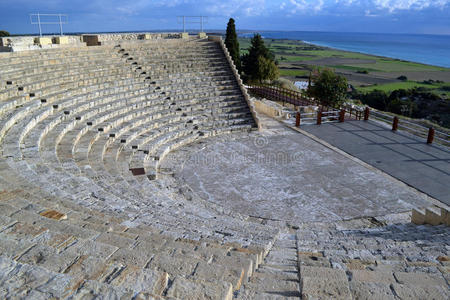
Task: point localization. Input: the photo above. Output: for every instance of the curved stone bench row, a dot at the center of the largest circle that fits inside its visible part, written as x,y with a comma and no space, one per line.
16,58
96,226
51,104
38,62
19,77
58,81
93,242
173,53
47,170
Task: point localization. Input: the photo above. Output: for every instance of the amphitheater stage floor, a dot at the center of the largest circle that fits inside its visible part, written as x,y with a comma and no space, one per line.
405,157
281,174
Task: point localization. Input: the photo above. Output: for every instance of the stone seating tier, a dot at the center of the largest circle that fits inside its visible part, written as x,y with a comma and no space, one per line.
75,219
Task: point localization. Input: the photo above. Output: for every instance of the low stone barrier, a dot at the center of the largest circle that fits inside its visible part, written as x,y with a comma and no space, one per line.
23,43
271,109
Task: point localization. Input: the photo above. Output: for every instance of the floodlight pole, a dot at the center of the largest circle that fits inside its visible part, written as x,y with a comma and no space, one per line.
39,22
184,24
60,25
201,23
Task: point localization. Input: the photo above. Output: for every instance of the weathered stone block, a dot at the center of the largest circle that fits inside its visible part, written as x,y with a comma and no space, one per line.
418,216
433,216
53,214
202,35
186,289
62,40
375,291
322,272
43,41
421,292
324,288
373,276
184,35
445,216
91,40
324,283
205,272
419,279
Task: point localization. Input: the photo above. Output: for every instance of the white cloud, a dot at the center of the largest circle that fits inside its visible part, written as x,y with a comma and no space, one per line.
235,7
306,5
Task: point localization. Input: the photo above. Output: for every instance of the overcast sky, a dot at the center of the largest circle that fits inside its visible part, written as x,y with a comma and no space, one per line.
393,16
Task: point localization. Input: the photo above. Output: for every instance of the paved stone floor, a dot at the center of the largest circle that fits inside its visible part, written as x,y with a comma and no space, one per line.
280,174
405,157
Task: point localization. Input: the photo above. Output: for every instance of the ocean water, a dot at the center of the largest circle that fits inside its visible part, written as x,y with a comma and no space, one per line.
427,49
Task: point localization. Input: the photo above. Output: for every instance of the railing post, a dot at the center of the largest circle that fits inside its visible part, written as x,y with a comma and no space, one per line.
366,113
430,135
319,117
297,119
342,115
395,124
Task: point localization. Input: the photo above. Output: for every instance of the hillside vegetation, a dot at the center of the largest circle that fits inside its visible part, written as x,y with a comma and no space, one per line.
408,88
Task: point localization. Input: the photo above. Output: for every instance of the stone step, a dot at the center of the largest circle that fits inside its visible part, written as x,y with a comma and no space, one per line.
430,216
72,206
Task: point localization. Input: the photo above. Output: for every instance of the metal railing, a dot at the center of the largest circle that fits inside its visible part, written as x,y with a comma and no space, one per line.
428,133
319,117
297,99
36,19
329,116
281,94
192,20
306,118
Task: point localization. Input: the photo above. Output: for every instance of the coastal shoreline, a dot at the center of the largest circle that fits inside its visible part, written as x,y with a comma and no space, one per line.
427,49
364,71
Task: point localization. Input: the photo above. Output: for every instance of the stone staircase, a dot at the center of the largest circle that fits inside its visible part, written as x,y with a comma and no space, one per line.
76,221
373,258
277,277
431,215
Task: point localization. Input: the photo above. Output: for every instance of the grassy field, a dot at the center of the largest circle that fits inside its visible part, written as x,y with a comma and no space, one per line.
365,72
294,73
389,87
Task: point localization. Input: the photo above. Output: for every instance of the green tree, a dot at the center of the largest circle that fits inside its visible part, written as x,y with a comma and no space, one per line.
232,44
395,106
267,69
4,33
329,88
251,61
377,99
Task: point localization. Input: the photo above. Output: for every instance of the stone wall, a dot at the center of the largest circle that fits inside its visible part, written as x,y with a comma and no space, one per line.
270,109
109,38
22,43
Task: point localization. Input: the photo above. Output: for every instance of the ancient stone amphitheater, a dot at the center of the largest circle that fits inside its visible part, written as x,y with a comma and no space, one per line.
89,207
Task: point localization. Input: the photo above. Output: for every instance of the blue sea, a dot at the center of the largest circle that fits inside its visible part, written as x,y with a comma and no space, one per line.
423,48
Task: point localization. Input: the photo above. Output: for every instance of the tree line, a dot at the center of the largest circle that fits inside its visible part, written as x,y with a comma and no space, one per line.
417,103
258,65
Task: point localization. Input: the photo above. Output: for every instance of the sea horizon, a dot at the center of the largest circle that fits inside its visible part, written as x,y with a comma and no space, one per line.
427,49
